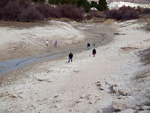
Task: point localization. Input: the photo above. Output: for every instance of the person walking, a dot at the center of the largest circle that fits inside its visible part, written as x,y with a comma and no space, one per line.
70,57
46,42
88,46
55,42
94,52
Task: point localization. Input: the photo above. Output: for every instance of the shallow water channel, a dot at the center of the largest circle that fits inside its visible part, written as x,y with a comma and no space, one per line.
96,38
10,65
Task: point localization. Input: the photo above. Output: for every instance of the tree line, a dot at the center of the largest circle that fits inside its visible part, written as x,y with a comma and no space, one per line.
78,10
100,5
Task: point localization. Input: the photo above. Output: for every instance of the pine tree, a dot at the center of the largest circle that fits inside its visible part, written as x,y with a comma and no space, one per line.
38,0
54,1
102,5
85,4
93,4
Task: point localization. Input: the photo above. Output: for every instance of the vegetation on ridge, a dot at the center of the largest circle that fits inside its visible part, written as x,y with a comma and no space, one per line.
78,10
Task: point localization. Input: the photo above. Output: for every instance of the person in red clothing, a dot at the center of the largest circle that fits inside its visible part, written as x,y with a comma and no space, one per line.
94,52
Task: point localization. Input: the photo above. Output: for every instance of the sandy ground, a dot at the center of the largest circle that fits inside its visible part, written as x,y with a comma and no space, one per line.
99,84
18,41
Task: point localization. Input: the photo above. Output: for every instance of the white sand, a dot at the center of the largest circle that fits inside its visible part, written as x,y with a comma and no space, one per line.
19,41
116,5
61,87
53,29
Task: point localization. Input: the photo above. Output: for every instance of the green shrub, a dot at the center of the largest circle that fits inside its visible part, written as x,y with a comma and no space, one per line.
38,0
54,2
94,4
102,5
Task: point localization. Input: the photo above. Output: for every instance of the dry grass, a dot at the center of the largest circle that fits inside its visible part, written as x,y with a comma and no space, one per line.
148,26
21,24
128,48
140,76
145,56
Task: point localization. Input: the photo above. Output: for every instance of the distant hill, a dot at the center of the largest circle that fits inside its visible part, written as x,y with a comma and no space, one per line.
132,1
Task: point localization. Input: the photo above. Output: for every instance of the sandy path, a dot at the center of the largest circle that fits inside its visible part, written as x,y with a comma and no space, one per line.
83,86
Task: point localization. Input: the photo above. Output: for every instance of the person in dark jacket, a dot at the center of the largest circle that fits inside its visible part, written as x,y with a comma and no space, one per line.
70,57
88,46
94,52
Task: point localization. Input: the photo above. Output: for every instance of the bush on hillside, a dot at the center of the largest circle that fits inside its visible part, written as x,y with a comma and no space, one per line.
24,3
24,10
146,10
139,10
3,3
11,11
92,14
31,14
48,11
38,0
79,3
70,11
123,13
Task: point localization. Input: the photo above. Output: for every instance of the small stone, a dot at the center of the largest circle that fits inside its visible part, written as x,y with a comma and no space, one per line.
121,105
80,100
62,92
72,90
146,107
21,96
13,95
121,97
85,96
56,106
98,83
91,102
100,111
101,88
23,109
128,111
145,111
56,96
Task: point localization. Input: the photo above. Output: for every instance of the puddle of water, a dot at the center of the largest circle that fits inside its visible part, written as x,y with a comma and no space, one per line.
10,65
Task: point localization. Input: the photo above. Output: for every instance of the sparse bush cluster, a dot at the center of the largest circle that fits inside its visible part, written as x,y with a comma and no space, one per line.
145,56
20,10
38,10
70,11
146,10
123,13
48,11
92,14
79,3
143,10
